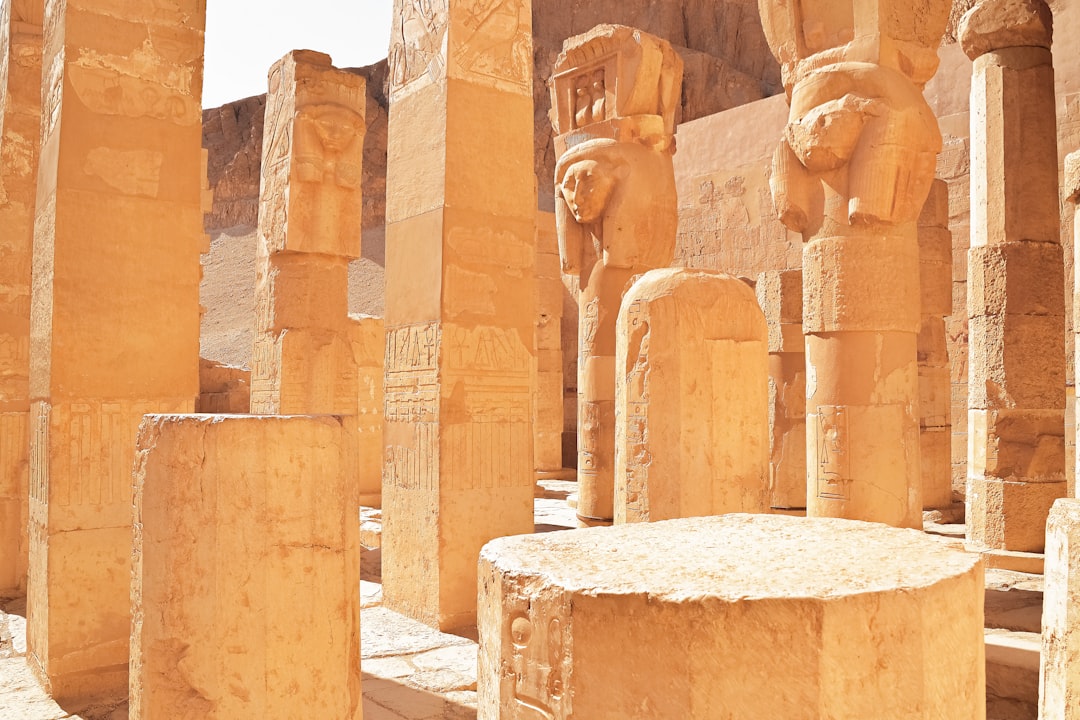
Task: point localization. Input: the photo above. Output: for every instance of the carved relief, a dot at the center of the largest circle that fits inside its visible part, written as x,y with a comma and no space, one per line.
412,378
537,659
418,42
497,43
638,456
328,145
108,93
412,398
39,452
833,473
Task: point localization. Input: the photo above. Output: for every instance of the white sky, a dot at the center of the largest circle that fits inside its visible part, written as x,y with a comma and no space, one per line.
245,37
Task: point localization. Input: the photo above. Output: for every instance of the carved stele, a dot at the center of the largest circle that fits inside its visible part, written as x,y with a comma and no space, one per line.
851,174
114,314
691,398
614,94
460,299
20,119
1016,278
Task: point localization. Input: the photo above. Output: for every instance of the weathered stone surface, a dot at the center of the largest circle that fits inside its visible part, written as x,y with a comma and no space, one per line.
115,313
20,103
309,229
851,174
245,585
996,24
614,94
779,293
223,389
1015,293
1059,677
691,388
679,620
460,301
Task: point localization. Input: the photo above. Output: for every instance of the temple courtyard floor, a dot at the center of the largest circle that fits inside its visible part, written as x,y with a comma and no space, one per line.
412,672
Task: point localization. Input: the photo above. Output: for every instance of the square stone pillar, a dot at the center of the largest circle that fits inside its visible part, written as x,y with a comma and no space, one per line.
246,585
935,387
308,350
1072,195
1016,303
309,229
20,118
115,310
779,293
548,410
460,318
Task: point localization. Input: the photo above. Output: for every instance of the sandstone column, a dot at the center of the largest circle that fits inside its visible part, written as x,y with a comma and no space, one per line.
548,406
691,398
935,387
614,94
460,320
245,591
115,310
1072,195
1016,305
851,174
779,293
20,103
309,230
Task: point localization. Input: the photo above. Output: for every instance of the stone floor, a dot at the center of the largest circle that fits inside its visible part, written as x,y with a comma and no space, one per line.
410,672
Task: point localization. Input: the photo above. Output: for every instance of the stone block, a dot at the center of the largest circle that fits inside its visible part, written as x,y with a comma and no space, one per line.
1017,361
691,398
245,588
14,498
1010,515
935,445
1014,192
302,291
874,622
935,397
861,284
1016,278
1018,445
780,295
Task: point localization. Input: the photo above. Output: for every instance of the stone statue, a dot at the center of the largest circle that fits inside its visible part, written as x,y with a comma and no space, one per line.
614,94
851,174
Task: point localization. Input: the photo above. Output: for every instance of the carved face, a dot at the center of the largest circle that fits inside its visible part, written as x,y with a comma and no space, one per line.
587,187
336,127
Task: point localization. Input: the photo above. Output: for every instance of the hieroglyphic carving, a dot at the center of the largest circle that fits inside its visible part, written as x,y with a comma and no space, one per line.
833,476
491,444
412,389
39,451
417,42
638,456
537,657
496,43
